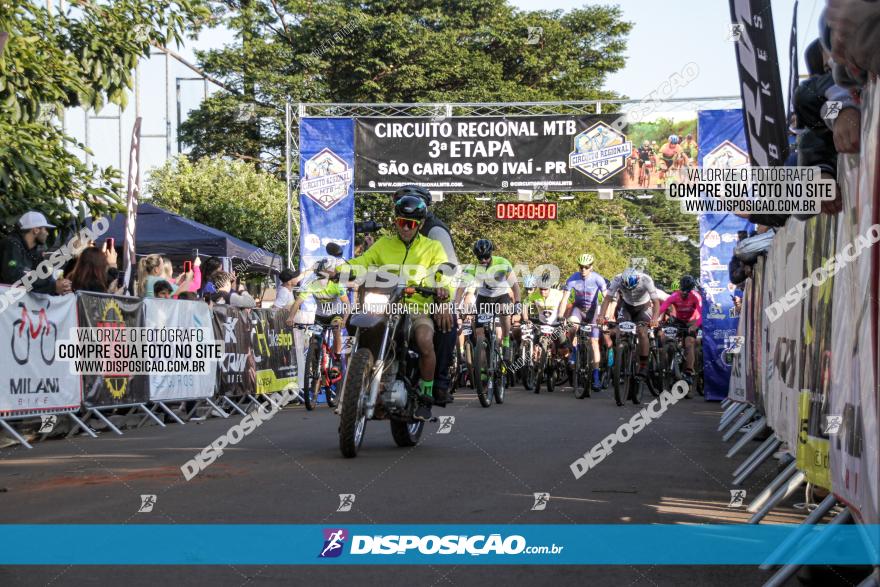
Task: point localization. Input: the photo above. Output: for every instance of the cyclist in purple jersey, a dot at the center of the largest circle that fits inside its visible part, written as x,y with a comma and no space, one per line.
584,288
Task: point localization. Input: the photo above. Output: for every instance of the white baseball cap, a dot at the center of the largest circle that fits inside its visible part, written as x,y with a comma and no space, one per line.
33,220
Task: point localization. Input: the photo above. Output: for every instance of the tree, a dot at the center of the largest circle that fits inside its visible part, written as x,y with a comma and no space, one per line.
398,51
82,57
233,196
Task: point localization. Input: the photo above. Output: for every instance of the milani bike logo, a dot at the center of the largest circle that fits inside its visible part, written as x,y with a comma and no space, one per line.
334,542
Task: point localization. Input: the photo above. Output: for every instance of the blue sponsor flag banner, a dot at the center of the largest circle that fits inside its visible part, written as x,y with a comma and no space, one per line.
326,201
538,544
722,144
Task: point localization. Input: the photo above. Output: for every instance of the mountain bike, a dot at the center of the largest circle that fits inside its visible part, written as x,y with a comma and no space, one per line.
623,375
489,372
581,375
324,370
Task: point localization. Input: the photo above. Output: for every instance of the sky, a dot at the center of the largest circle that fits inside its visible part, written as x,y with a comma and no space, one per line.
665,37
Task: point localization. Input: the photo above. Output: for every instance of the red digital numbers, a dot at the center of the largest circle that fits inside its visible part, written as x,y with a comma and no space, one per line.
525,211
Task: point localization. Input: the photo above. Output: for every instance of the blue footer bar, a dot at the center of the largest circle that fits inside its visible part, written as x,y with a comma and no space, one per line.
531,544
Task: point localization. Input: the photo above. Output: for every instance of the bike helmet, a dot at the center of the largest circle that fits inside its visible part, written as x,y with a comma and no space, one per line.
630,278
674,139
530,282
483,248
411,207
413,190
687,283
586,260
646,144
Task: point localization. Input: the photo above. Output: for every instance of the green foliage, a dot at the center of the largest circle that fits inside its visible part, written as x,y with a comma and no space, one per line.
660,129
233,196
399,51
83,57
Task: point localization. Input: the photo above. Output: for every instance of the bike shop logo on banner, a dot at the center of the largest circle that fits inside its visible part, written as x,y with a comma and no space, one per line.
726,156
35,380
600,152
326,179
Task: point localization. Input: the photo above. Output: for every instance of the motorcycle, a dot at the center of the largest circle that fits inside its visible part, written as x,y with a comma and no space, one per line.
383,372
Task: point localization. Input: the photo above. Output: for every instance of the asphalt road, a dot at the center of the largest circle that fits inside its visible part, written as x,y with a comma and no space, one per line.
485,470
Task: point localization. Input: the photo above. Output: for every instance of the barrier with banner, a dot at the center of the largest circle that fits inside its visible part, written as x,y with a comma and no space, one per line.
159,313
781,333
272,344
854,458
237,376
112,389
37,382
815,336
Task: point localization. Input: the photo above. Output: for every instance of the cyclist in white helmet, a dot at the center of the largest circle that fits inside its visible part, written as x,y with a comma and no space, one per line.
639,303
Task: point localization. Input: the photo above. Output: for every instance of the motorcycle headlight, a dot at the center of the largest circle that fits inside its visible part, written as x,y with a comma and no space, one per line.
376,303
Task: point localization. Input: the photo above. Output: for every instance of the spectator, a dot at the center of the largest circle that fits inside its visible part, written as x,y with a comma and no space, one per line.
92,271
737,270
854,39
188,295
223,285
158,267
21,252
284,295
162,289
148,266
212,267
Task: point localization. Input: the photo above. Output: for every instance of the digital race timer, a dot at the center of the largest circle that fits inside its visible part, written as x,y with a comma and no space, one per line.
525,211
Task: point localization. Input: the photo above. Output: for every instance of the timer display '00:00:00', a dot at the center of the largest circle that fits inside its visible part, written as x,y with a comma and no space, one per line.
525,211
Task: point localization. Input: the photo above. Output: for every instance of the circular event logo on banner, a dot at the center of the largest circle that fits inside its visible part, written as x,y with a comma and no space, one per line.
712,240
326,179
600,152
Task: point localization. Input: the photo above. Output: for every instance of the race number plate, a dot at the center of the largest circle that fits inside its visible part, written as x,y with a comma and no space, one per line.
671,331
466,330
484,318
547,329
628,327
316,329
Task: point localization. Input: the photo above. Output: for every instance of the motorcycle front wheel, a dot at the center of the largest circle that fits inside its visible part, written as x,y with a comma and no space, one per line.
353,413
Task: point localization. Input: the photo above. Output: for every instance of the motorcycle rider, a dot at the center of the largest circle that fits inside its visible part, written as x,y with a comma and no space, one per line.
639,303
444,342
420,255
584,288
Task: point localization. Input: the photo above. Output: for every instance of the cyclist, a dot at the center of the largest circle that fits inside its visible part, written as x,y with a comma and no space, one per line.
444,342
687,307
670,151
689,147
332,306
639,303
583,289
420,255
495,282
547,298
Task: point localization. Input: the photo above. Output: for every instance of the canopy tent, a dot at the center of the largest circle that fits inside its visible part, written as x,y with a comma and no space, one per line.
166,233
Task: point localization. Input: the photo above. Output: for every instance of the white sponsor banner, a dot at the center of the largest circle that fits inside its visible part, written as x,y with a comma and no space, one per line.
161,313
736,389
781,365
854,458
34,381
